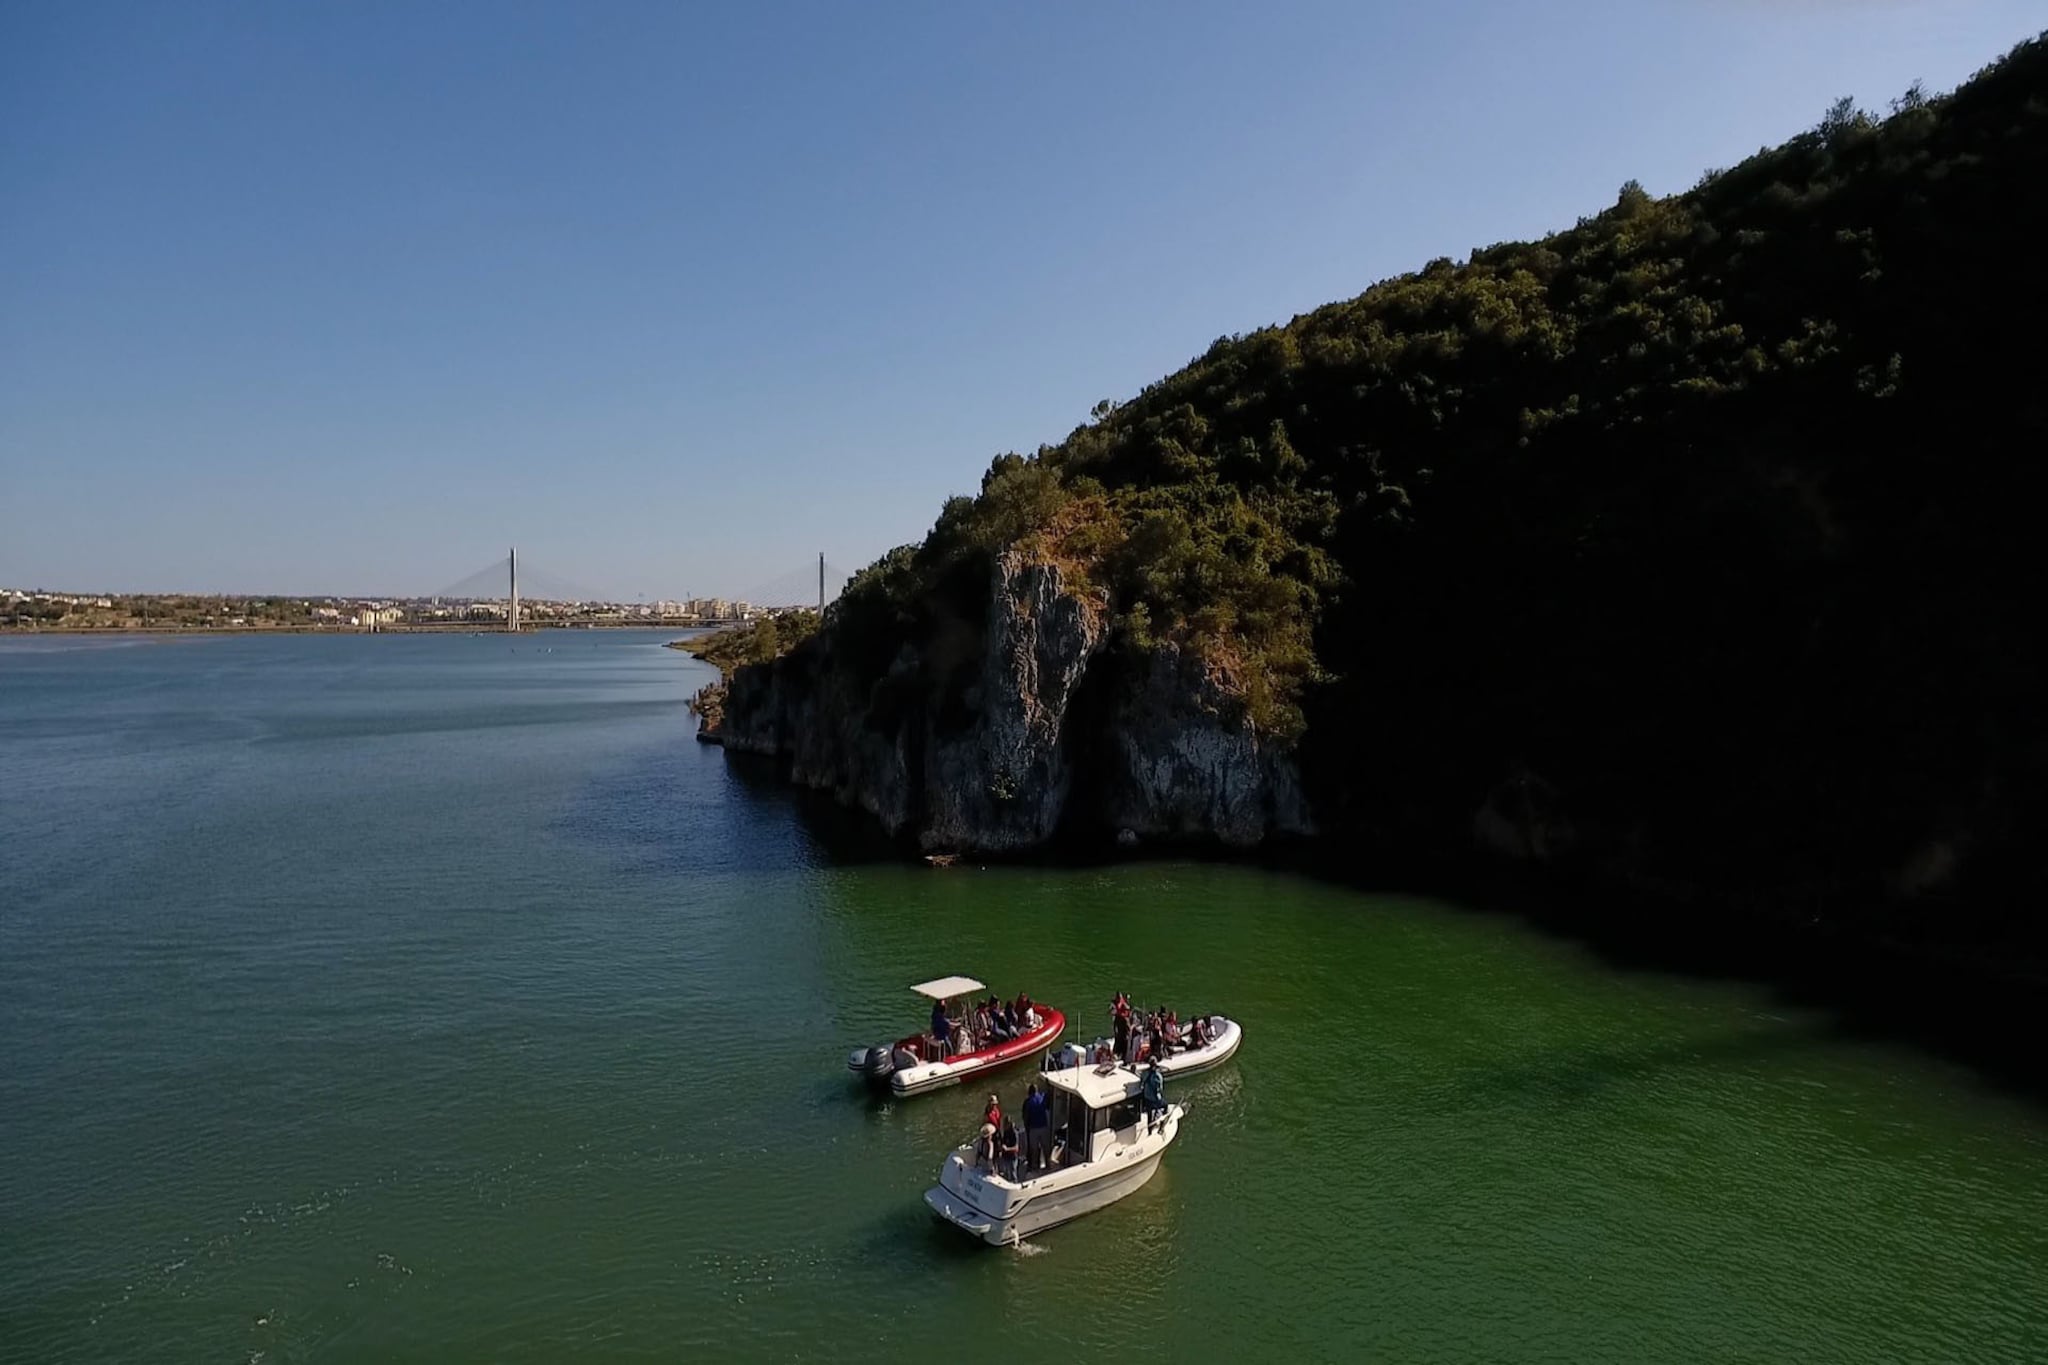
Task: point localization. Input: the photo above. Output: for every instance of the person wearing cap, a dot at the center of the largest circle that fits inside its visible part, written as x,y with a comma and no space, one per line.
993,1115
985,1148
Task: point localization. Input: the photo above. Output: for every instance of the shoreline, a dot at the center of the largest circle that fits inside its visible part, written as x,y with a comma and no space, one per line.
30,632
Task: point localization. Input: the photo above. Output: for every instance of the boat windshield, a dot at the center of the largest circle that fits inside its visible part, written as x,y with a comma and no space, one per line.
1124,1115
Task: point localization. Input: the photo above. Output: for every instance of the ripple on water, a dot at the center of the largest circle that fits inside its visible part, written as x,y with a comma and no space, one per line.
354,1032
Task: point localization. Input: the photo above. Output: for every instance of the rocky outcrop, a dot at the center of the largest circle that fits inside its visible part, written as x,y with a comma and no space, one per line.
1035,728
1003,782
1188,764
1524,818
814,715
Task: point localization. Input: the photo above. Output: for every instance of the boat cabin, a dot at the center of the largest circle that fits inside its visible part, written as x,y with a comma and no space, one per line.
1094,1112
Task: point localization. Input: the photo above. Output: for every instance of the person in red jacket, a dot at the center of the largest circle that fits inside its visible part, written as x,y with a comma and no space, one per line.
994,1113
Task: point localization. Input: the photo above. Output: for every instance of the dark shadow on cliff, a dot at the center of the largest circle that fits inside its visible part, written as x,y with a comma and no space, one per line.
1976,1011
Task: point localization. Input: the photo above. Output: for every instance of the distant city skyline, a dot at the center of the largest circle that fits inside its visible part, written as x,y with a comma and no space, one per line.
343,300
785,592
58,612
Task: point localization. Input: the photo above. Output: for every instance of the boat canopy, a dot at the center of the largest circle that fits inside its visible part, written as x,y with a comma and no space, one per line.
946,987
1094,1087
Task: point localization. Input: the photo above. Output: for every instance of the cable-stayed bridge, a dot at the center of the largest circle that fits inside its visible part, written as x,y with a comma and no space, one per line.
807,585
506,575
515,592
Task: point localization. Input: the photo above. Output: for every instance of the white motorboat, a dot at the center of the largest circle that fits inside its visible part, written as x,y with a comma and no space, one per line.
916,1064
1106,1144
1224,1036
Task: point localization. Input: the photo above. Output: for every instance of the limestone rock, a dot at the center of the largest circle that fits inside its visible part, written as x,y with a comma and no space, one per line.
990,760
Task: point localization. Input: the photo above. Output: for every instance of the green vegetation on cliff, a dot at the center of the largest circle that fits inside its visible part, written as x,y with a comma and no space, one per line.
750,642
1710,518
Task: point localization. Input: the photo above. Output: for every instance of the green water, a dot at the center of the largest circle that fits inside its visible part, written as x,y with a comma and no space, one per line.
437,999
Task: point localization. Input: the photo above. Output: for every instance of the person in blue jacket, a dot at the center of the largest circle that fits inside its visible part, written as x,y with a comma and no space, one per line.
1037,1130
941,1028
1154,1091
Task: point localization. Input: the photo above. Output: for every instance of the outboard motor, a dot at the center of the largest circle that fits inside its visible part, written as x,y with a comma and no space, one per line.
880,1065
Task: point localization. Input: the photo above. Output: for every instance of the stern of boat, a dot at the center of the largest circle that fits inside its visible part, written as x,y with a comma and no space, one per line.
915,1080
962,1215
974,1201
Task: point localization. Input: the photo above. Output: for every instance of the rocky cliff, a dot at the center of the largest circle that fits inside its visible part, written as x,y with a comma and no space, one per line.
1687,551
1033,723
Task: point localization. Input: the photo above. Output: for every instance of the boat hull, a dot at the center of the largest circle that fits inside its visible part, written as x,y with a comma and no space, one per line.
1048,1211
1219,1050
1002,1212
929,1076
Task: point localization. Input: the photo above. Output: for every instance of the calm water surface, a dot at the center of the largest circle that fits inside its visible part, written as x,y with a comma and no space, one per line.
438,999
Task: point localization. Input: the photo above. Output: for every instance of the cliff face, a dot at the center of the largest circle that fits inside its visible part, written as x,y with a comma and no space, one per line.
1039,729
1003,782
1687,550
1188,765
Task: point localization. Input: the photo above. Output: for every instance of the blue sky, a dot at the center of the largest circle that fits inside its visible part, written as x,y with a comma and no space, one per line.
346,297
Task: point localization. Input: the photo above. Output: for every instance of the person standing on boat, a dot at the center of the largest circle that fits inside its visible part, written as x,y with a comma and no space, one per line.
1037,1129
994,1113
942,1030
1154,1090
1007,1151
1121,1020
